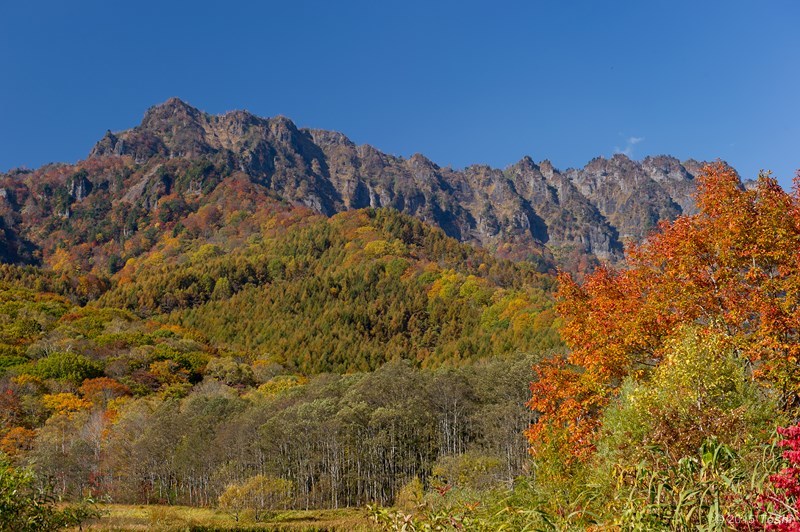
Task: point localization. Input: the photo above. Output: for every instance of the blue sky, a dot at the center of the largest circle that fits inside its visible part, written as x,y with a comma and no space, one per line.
462,82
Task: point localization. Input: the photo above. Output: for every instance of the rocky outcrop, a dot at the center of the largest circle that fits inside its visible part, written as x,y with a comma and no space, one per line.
79,186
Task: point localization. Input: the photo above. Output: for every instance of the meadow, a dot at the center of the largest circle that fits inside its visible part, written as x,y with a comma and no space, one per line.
178,518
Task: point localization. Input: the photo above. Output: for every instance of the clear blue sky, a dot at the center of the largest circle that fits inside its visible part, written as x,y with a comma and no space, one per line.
462,82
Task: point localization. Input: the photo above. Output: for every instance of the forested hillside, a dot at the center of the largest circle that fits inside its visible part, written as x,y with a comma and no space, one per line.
106,404
346,293
340,358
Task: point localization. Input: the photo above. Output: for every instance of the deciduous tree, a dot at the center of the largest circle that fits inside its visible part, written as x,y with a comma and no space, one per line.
733,268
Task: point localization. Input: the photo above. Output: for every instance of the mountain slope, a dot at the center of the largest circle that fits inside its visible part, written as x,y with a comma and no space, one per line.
181,164
591,209
346,293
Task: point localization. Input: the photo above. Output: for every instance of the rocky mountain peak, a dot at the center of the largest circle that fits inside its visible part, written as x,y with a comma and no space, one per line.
587,210
546,168
526,164
283,129
172,107
330,138
423,165
172,117
108,145
240,118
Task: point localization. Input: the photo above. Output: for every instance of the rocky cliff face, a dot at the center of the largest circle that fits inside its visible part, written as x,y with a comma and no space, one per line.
515,210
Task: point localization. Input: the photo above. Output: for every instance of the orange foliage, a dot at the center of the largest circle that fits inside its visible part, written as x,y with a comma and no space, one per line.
169,372
734,268
103,389
17,441
10,408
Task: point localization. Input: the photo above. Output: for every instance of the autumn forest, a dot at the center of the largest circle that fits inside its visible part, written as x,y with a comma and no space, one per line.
227,327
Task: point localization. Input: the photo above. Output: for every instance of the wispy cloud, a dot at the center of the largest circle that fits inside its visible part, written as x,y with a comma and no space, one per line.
629,146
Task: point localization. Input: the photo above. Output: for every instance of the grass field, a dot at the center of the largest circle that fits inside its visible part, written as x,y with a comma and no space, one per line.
179,518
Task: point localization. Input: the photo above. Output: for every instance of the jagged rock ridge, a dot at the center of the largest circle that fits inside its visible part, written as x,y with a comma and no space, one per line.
524,210
591,210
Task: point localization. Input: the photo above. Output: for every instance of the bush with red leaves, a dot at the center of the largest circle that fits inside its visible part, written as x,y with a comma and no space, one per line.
778,507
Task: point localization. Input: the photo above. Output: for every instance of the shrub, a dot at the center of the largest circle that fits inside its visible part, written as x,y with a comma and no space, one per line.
66,366
230,372
261,494
25,507
777,507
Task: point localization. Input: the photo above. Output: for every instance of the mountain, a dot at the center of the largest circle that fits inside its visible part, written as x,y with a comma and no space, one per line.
174,162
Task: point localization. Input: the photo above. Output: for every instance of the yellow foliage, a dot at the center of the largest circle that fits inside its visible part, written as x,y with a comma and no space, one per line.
446,286
65,403
60,260
206,252
280,384
114,406
169,372
365,230
697,370
411,495
24,379
382,248
154,259
514,306
476,290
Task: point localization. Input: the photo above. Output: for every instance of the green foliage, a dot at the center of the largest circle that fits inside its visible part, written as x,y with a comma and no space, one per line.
9,361
333,295
230,372
225,315
338,440
704,491
699,391
66,366
517,509
25,506
471,470
679,450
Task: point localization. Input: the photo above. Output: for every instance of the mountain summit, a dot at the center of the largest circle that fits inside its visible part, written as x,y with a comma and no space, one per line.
180,158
